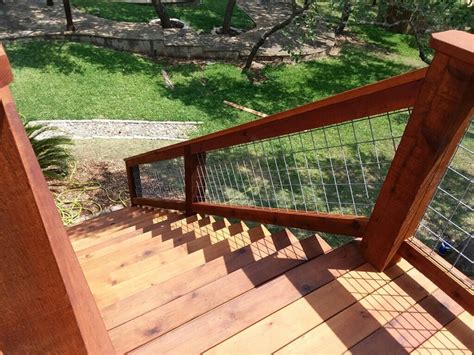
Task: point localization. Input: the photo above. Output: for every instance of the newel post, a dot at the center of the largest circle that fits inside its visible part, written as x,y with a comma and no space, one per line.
194,169
440,117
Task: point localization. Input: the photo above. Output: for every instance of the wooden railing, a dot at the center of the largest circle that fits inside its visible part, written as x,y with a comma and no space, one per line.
442,100
45,301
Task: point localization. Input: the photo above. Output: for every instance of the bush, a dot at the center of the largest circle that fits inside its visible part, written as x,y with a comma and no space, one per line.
52,150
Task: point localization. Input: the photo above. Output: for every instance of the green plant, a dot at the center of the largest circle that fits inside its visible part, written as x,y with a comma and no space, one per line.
50,148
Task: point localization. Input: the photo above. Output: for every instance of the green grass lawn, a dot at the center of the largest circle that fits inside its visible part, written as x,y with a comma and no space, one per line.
64,80
206,16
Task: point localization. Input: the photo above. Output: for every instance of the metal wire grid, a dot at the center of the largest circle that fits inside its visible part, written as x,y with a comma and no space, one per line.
334,169
163,179
448,224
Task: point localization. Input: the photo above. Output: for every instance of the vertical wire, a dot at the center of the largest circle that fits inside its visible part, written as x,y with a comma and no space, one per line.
223,200
309,174
347,169
297,172
332,169
210,173
288,175
373,141
320,172
227,170
269,174
261,174
254,175
243,184
278,173
360,162
236,182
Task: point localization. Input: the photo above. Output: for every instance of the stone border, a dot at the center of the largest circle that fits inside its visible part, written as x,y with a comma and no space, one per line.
153,41
122,129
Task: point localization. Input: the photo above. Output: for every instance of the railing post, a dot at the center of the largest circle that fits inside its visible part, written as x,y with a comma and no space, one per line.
439,119
134,185
46,304
194,167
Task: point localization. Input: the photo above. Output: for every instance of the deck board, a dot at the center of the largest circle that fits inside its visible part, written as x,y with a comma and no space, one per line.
166,283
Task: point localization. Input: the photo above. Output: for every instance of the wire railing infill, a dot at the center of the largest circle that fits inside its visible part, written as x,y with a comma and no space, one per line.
447,226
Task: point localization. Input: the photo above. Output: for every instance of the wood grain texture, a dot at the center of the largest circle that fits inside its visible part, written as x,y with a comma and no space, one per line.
201,300
440,117
387,95
294,320
129,284
162,293
232,317
6,75
353,324
456,44
429,316
432,267
45,301
321,222
168,204
456,337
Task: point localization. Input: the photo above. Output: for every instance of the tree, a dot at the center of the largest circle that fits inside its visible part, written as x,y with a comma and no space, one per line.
229,10
162,14
346,13
296,11
68,12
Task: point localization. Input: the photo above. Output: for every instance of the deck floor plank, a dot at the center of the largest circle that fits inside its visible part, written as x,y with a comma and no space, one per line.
280,328
337,334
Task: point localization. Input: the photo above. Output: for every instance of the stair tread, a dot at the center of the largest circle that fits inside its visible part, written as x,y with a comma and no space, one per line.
176,284
199,301
162,239
153,297
117,222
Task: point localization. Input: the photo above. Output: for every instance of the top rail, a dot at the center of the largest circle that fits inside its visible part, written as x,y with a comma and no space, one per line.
387,95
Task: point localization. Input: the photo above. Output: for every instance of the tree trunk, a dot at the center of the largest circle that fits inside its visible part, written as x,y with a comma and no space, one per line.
297,11
68,12
49,2
229,10
162,14
346,13
381,11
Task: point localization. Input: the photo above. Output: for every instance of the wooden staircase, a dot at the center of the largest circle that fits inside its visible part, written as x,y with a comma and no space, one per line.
167,283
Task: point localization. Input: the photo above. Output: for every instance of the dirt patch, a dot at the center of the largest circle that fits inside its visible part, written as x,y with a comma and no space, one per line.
98,181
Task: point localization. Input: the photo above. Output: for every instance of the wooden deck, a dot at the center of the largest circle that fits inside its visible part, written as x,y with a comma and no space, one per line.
165,283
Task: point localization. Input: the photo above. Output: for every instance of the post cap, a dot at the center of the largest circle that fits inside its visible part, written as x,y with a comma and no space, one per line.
456,44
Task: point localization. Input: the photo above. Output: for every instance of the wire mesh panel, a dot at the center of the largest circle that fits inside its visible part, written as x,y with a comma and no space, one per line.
334,169
448,224
163,179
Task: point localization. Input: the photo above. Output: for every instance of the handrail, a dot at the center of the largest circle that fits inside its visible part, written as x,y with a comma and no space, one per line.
387,95
46,302
442,97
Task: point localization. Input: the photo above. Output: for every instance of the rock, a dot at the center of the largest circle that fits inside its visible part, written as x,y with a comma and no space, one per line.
257,66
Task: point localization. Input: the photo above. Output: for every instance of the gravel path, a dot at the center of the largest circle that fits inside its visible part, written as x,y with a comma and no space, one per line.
86,129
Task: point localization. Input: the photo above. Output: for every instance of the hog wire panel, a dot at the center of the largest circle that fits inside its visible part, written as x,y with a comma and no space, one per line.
448,224
163,179
334,169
